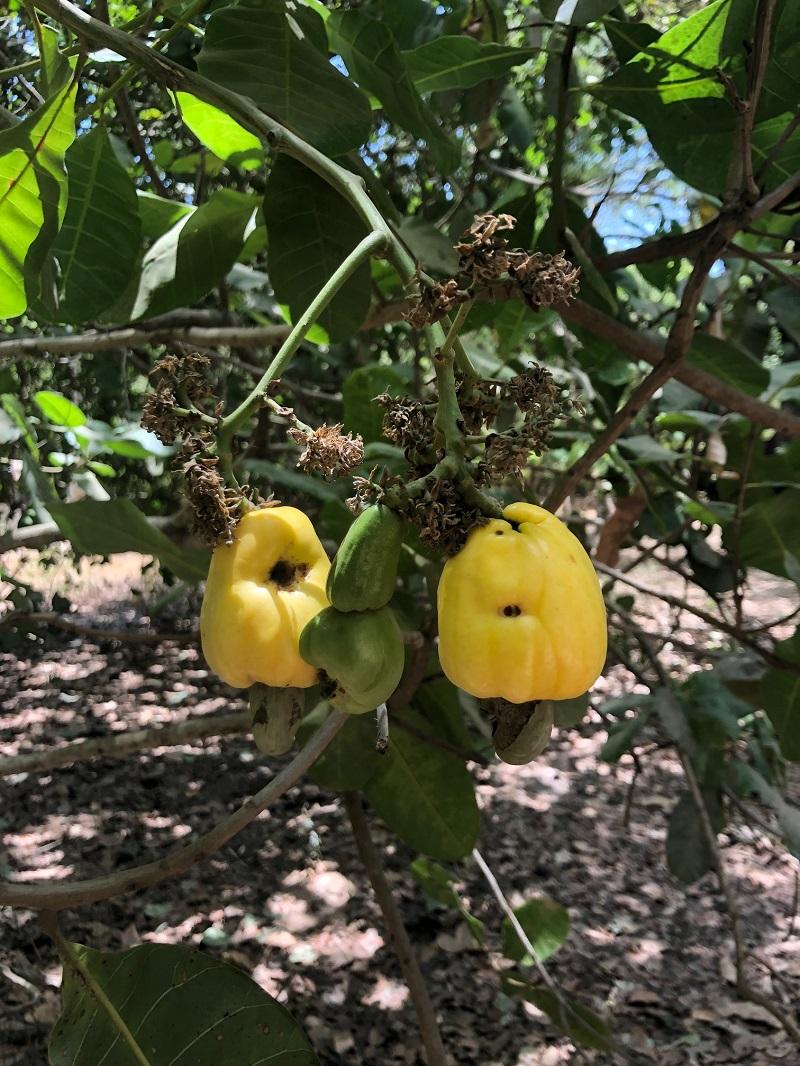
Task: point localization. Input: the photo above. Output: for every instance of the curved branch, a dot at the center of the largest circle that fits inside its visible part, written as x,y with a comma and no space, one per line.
125,636
79,893
119,744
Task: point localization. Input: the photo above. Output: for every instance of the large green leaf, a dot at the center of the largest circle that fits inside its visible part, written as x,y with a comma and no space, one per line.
780,695
425,795
273,56
375,61
729,362
688,852
672,87
545,923
461,62
576,12
220,133
311,231
33,195
191,257
350,760
103,528
158,214
770,530
166,1005
577,1022
99,243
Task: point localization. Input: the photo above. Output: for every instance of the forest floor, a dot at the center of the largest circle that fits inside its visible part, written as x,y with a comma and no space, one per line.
287,901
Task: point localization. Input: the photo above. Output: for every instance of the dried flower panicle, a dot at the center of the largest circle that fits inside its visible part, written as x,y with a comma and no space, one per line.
327,451
178,381
406,423
442,517
482,254
216,506
544,280
435,302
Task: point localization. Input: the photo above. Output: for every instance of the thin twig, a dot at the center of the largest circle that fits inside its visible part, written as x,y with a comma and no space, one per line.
119,744
435,1053
71,893
15,619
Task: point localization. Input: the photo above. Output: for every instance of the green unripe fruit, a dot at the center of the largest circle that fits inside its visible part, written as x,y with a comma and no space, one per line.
364,572
532,738
360,652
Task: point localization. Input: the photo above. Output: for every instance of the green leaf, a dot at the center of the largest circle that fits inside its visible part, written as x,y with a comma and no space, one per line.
646,450
58,410
780,695
103,528
350,760
577,1022
272,55
430,247
629,38
621,736
220,133
375,61
576,12
311,231
461,62
436,882
98,246
33,194
712,710
769,530
425,795
688,853
158,214
360,412
545,923
194,255
175,1007
728,362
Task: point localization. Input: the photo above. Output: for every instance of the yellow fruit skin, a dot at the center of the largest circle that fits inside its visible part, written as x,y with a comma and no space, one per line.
250,622
521,614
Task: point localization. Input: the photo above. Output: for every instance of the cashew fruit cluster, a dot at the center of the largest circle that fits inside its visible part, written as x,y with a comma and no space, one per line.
356,642
521,620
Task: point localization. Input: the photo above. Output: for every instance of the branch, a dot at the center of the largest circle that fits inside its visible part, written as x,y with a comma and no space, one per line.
79,893
766,262
119,744
125,636
717,623
131,336
743,985
639,346
435,1054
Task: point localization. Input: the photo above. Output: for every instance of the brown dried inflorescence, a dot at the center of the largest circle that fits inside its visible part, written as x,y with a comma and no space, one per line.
328,451
406,423
435,302
482,254
542,279
179,383
443,519
217,507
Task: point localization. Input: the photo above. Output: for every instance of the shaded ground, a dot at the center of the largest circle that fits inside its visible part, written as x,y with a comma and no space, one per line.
287,901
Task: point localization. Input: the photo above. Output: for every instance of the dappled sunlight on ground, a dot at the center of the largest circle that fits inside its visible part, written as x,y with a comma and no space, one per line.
286,900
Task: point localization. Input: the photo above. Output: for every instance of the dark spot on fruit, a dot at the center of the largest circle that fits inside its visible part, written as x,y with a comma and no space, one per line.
285,574
511,611
498,532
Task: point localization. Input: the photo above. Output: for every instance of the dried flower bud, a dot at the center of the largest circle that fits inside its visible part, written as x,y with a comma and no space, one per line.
482,254
434,303
328,451
216,506
542,279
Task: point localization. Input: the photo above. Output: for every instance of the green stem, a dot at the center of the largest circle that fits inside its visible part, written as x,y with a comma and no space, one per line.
375,242
72,960
455,328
